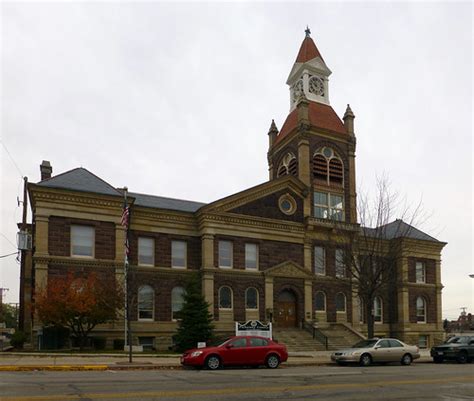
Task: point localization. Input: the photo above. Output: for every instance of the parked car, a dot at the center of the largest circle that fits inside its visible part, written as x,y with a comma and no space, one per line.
459,348
238,350
376,350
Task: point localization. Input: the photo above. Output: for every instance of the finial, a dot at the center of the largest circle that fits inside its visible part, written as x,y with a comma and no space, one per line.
349,112
273,128
307,31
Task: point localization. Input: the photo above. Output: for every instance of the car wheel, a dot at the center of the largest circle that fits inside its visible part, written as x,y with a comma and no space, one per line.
462,357
365,360
272,361
406,360
438,359
213,362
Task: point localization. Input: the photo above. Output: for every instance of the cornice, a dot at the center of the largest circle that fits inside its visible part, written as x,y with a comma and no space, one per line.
74,199
157,215
77,262
259,222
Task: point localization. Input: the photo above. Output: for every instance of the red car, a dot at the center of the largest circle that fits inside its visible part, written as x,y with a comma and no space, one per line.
238,350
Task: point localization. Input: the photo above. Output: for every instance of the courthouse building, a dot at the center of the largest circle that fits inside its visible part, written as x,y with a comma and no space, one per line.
265,253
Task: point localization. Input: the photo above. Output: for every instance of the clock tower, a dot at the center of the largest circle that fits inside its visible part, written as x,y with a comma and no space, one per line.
314,143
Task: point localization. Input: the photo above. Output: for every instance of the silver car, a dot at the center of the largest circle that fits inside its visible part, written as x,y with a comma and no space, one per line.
377,350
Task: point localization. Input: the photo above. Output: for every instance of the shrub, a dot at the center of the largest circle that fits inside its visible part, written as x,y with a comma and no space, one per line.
119,343
18,339
99,342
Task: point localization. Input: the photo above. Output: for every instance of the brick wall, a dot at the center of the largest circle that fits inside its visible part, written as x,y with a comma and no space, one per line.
238,286
59,236
268,207
271,253
331,288
162,284
430,270
429,294
163,248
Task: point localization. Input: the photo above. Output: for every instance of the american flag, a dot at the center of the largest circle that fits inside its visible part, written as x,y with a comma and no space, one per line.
125,215
125,222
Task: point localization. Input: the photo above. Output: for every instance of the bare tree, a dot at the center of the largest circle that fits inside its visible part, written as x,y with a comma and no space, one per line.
371,256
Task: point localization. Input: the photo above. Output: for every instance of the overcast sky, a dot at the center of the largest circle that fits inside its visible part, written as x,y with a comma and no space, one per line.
176,100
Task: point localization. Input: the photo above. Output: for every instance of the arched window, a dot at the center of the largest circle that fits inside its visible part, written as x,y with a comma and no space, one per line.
328,167
251,298
288,165
146,303
177,301
420,310
320,301
225,298
340,302
378,310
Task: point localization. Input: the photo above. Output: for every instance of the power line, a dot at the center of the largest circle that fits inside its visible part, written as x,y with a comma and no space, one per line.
11,158
4,236
10,254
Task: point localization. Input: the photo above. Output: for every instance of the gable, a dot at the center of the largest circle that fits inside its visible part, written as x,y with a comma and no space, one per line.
263,200
268,207
288,269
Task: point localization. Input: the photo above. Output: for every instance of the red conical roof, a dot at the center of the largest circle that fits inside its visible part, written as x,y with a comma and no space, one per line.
308,51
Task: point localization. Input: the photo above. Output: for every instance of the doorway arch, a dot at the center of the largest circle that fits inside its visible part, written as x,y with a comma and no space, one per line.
286,307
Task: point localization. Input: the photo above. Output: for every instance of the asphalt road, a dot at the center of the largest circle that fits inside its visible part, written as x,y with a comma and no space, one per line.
428,382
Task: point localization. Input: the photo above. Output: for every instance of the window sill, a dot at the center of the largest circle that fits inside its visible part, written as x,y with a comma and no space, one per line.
179,267
225,267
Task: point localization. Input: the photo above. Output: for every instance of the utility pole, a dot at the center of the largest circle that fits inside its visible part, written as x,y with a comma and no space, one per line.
21,317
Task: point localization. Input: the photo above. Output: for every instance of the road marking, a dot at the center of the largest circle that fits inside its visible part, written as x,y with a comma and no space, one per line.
232,391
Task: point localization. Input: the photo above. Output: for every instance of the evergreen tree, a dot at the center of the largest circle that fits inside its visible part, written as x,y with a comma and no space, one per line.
195,323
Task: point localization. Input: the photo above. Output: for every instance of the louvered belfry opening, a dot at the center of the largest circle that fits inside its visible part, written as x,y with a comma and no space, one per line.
320,168
336,173
289,165
293,167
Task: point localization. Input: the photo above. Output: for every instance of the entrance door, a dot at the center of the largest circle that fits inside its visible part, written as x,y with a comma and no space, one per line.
286,310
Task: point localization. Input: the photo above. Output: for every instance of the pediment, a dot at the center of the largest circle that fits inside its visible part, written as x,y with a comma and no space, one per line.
288,269
230,203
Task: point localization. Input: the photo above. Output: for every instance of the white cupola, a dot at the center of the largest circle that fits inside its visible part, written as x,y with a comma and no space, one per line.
309,75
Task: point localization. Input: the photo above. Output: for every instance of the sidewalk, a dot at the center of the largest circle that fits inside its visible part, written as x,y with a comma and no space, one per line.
16,361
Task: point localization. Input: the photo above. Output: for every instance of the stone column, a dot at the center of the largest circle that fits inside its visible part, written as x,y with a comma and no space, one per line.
41,236
207,248
439,287
308,300
307,256
352,187
269,296
208,290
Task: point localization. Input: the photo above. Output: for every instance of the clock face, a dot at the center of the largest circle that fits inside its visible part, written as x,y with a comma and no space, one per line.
316,86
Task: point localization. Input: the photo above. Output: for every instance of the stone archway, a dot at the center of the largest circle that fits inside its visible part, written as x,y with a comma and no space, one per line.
286,307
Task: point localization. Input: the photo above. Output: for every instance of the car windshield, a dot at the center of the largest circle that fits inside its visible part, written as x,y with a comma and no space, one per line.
365,344
457,340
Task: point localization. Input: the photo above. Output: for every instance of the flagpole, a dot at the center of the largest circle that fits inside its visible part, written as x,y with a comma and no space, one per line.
126,223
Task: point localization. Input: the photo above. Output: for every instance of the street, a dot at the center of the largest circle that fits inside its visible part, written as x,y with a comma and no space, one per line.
424,381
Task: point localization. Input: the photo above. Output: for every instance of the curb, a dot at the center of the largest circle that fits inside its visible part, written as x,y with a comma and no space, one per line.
63,368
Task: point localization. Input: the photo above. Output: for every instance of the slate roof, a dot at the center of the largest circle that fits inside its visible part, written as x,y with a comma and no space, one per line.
80,179
399,229
161,202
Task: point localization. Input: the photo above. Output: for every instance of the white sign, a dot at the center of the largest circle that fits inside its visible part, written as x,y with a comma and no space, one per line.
201,345
253,328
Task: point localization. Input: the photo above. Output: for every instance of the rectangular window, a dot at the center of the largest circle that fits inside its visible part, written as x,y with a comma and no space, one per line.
420,272
146,251
319,260
148,343
82,241
178,254
328,206
225,254
251,256
340,264
423,342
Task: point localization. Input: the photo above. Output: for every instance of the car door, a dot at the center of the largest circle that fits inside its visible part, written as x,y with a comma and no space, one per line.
236,352
382,351
397,350
258,350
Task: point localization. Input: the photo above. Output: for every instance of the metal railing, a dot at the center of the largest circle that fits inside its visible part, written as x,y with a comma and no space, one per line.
315,332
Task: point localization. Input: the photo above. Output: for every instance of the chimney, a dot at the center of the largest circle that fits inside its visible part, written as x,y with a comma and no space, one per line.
46,170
